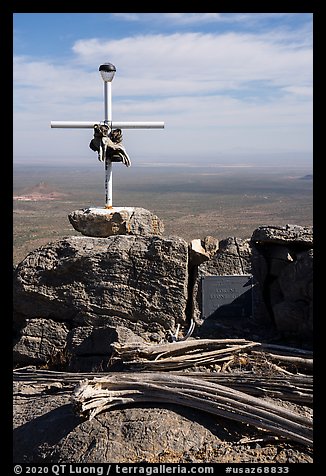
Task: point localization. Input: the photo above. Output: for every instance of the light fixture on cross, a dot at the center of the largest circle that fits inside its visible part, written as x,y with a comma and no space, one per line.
107,71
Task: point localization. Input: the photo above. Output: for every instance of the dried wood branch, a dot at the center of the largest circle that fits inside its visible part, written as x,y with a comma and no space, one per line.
228,395
293,388
182,354
132,350
91,397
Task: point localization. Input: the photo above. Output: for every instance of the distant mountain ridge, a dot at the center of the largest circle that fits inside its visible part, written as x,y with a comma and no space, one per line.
40,191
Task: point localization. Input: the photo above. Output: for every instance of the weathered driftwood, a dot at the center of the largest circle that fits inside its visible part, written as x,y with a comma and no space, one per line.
194,352
130,350
223,394
91,397
292,388
179,355
39,377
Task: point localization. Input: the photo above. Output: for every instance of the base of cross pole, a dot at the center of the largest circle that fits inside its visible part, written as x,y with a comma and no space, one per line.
108,183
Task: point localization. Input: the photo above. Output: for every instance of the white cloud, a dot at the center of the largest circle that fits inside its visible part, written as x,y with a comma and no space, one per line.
186,60
234,88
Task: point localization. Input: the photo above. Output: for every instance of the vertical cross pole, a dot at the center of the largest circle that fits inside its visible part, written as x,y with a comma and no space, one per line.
107,162
107,71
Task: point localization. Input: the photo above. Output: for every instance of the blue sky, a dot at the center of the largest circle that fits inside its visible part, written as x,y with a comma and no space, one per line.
229,86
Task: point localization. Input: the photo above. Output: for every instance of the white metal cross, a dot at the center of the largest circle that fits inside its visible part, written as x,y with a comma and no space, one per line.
107,71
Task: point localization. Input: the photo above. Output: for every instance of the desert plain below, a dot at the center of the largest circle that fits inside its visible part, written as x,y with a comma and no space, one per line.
192,200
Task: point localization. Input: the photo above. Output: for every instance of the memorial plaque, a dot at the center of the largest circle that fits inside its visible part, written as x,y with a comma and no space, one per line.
227,296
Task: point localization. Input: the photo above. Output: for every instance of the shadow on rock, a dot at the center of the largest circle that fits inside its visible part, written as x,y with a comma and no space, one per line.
33,440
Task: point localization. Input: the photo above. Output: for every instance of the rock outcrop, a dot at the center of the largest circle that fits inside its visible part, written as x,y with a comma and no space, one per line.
103,222
140,283
71,295
288,234
282,259
40,340
135,278
89,348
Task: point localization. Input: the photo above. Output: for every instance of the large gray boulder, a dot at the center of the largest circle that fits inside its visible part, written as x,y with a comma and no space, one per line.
104,222
288,234
133,434
294,313
282,261
128,277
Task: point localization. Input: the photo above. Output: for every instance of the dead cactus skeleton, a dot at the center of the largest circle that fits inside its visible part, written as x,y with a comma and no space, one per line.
92,397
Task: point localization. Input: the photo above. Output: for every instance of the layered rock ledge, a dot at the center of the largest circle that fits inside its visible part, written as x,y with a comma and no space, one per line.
137,279
288,234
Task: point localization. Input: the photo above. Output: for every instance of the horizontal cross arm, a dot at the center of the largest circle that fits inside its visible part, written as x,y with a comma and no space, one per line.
113,125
